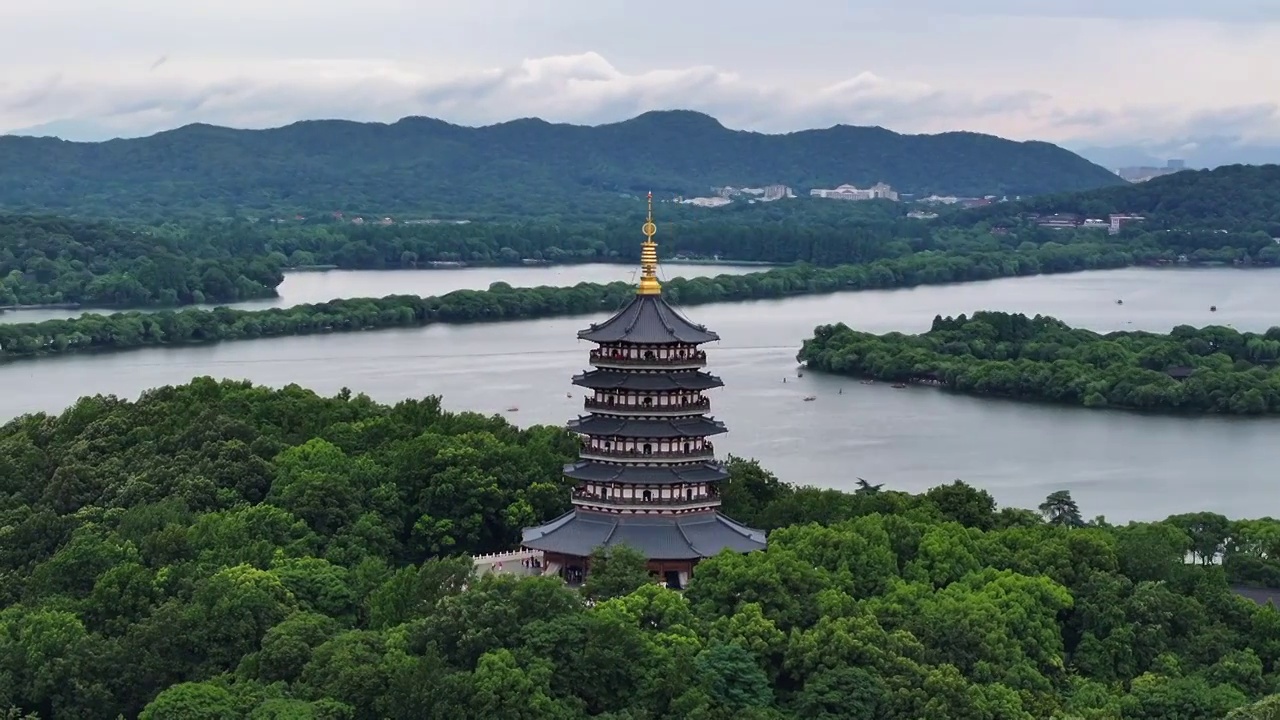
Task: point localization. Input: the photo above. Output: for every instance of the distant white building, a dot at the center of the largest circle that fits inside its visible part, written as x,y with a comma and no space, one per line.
941,199
776,192
1118,221
879,191
707,201
768,193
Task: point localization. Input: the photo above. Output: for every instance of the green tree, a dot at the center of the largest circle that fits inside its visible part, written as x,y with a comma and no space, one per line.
615,571
1059,509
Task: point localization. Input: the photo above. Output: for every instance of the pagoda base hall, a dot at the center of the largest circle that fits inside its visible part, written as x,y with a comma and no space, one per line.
672,545
647,474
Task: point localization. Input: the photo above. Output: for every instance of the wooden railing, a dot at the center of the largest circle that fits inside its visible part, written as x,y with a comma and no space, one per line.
691,455
694,359
700,406
616,500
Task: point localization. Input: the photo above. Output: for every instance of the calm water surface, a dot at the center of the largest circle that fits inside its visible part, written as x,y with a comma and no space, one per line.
301,288
1122,465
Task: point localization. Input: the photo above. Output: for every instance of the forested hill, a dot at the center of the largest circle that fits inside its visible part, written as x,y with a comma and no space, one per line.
1234,197
426,165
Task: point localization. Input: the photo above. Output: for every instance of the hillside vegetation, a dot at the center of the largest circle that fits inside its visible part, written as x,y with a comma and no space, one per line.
521,167
219,551
1238,198
57,260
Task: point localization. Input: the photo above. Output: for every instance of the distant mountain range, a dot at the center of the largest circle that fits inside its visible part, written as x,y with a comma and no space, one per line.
1206,152
422,165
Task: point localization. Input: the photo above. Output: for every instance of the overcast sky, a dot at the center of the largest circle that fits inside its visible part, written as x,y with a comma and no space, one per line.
1095,71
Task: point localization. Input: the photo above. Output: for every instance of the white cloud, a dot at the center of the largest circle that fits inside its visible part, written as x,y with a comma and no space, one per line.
567,88
1067,70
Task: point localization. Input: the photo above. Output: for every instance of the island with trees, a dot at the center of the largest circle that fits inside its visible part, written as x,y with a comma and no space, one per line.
119,331
519,168
225,551
1213,369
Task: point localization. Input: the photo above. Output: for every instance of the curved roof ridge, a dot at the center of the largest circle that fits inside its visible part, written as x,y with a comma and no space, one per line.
612,530
648,319
685,535
549,527
681,316
739,528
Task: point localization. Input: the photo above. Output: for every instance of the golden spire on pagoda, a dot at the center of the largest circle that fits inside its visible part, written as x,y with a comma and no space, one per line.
649,284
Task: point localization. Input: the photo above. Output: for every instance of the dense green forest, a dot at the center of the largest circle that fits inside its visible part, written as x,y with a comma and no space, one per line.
104,264
1201,370
55,260
228,552
823,232
502,302
1238,198
525,167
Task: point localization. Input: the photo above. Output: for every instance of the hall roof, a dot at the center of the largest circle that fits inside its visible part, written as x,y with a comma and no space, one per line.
592,471
647,381
658,537
604,425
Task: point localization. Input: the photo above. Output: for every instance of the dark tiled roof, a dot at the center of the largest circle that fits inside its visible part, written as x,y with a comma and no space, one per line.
658,537
588,470
649,320
646,381
663,428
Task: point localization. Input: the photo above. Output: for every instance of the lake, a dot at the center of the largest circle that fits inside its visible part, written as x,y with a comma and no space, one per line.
301,288
1122,465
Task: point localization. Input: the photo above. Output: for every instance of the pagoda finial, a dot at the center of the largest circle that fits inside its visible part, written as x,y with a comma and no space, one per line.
649,284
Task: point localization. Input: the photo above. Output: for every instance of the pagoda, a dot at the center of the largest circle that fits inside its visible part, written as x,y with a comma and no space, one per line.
647,474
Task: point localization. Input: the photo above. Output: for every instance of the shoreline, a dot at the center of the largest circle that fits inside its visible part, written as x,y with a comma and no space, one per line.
522,304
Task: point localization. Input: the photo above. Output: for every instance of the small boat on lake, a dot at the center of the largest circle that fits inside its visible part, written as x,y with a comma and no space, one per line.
898,385
513,409
810,398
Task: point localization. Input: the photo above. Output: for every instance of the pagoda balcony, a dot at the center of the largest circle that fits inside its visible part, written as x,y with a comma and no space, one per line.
607,408
692,360
696,455
697,502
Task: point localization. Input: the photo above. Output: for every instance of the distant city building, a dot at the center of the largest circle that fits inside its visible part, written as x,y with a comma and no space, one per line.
776,192
1117,222
768,193
941,200
1143,174
879,191
922,215
717,201
1060,221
